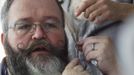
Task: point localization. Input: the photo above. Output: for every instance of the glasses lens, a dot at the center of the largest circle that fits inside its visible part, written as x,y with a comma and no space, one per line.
23,28
51,26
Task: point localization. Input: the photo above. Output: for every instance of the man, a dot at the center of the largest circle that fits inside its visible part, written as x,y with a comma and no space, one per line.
34,39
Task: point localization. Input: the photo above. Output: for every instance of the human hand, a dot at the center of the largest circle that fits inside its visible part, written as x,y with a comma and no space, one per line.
74,68
99,11
103,52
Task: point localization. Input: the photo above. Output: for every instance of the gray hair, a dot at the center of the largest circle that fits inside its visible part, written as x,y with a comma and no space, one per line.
4,14
5,10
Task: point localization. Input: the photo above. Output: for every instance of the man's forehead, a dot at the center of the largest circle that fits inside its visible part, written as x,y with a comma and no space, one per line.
35,1
36,4
34,8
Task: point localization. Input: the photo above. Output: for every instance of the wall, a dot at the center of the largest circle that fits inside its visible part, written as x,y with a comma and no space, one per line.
2,54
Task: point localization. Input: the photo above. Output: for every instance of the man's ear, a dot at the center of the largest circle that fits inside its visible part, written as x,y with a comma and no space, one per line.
3,38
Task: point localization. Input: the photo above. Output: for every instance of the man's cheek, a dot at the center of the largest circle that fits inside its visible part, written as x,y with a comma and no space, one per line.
21,44
57,40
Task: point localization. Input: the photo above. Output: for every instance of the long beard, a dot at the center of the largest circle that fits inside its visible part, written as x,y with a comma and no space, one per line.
48,65
18,64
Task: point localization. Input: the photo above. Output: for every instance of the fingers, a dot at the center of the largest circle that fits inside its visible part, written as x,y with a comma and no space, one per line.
90,40
101,44
93,55
78,68
74,68
72,64
103,52
103,17
97,11
91,9
83,6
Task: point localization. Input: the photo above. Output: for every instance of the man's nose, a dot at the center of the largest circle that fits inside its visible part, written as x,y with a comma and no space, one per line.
39,34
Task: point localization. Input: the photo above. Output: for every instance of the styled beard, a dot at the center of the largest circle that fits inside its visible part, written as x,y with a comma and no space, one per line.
22,63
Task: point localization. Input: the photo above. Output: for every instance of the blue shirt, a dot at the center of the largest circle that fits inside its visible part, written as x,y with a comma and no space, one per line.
3,68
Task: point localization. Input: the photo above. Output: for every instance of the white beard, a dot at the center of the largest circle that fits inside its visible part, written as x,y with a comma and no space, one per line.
51,66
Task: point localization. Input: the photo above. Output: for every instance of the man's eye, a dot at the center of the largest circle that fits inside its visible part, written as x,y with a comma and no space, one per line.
49,25
23,26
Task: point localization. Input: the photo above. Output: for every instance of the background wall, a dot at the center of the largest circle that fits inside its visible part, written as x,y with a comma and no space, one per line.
2,54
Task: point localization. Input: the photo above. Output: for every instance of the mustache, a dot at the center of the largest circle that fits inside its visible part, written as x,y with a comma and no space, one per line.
43,43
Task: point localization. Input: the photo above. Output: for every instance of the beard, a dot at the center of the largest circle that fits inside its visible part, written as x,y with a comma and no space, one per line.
45,65
22,63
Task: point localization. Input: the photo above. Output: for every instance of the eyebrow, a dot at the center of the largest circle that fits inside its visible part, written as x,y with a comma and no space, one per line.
23,20
51,18
45,18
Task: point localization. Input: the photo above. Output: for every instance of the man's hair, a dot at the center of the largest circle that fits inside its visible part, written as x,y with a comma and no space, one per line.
4,14
5,10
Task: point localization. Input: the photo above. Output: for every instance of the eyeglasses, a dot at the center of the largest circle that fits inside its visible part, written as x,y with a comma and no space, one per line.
25,28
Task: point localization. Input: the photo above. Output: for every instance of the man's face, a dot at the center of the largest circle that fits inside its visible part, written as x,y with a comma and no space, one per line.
36,12
36,31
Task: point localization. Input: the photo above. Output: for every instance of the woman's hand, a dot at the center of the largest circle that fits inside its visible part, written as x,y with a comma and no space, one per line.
74,68
101,49
99,11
